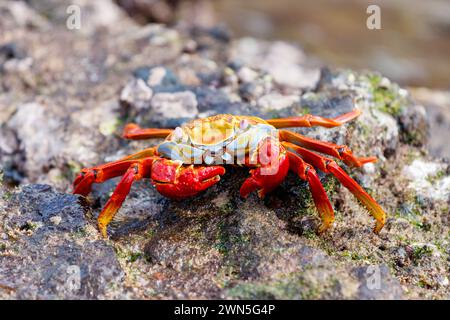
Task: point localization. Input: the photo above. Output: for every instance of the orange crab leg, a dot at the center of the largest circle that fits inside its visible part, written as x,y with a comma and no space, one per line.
83,182
134,173
307,172
309,120
133,132
340,152
328,165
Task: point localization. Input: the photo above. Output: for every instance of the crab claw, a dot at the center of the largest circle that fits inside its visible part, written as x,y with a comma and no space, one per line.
266,178
83,182
177,181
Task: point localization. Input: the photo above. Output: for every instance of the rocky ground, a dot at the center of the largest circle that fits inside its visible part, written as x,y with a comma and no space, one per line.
65,96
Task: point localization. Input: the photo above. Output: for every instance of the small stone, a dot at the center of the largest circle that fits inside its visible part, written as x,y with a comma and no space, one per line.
56,220
250,91
443,281
369,168
156,76
137,94
401,257
229,77
190,46
246,74
275,101
385,83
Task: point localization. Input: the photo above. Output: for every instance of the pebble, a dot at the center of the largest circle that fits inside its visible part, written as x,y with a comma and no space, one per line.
56,220
275,101
137,94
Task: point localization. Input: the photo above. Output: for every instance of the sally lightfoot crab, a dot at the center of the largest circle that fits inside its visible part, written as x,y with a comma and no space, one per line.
192,158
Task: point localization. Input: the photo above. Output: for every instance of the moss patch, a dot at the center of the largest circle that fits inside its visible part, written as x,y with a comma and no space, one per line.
386,96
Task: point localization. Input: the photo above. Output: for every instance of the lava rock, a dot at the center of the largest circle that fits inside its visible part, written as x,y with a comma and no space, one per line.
50,262
66,102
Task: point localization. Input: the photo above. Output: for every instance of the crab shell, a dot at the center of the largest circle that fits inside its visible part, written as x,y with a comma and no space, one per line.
216,140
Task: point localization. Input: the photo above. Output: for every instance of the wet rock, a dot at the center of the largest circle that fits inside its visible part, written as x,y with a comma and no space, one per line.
41,204
50,262
63,270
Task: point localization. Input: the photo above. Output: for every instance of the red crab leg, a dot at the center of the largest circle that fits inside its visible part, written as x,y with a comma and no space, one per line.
134,173
328,165
307,172
273,168
133,132
309,120
340,152
83,182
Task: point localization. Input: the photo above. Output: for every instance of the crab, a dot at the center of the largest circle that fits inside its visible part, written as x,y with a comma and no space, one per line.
193,157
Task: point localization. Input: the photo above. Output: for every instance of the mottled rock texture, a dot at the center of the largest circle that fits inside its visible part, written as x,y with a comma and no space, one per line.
65,97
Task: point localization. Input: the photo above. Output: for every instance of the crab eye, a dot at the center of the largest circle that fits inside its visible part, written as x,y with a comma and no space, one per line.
243,124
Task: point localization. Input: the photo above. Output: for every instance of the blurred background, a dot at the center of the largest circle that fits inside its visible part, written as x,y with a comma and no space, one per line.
412,47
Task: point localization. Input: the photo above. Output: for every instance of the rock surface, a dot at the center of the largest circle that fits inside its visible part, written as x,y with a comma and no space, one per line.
65,98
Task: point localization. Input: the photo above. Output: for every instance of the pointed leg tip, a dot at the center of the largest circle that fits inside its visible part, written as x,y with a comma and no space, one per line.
324,227
103,231
378,226
368,160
